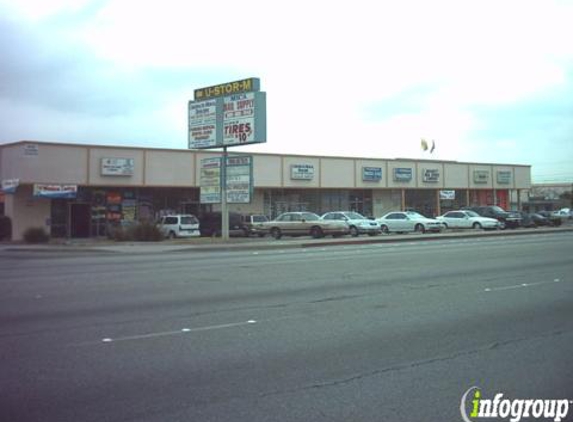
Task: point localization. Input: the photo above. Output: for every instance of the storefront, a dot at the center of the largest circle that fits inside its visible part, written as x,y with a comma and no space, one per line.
82,190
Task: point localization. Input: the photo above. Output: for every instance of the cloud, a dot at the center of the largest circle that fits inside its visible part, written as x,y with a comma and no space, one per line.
363,79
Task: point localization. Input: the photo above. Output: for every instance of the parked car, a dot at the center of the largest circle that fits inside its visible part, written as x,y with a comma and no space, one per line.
508,219
533,219
553,219
181,225
211,224
467,219
305,223
253,225
357,223
408,221
564,213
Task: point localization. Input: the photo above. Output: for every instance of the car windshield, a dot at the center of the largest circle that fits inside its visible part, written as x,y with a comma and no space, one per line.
497,209
472,214
415,215
355,216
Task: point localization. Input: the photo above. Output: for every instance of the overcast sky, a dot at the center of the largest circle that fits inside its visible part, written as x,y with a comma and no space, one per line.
489,81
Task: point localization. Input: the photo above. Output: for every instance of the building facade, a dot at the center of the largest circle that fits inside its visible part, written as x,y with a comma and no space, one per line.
75,190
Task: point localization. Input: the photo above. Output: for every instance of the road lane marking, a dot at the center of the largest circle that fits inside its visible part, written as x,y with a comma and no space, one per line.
522,285
177,332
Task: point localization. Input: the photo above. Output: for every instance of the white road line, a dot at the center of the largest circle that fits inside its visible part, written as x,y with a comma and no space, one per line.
177,332
522,285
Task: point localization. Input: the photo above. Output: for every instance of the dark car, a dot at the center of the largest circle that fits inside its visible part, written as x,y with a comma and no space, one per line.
508,219
533,219
554,220
211,224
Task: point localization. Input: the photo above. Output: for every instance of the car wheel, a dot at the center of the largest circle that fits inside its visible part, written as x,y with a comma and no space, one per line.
276,233
316,232
171,235
477,226
353,231
445,226
384,229
420,228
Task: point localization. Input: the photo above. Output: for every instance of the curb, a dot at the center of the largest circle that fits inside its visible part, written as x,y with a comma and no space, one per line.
257,246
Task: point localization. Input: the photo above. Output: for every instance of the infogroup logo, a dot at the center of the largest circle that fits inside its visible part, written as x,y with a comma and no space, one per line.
515,409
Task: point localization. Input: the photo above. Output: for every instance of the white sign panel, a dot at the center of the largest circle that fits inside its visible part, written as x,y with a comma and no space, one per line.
10,185
203,124
481,176
431,175
117,166
210,181
448,194
302,172
239,171
239,180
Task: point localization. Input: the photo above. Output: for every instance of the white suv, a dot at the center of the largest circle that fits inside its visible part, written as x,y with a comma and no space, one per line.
183,225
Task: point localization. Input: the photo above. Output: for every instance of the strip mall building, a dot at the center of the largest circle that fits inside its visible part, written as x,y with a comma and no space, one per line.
75,190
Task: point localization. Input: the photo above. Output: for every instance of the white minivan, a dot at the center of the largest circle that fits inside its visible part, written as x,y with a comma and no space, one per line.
181,225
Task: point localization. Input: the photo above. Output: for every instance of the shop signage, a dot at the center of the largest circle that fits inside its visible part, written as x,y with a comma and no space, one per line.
228,114
239,172
504,177
431,175
371,174
481,176
210,180
402,174
117,166
302,171
204,130
230,88
55,191
31,150
244,119
448,194
10,185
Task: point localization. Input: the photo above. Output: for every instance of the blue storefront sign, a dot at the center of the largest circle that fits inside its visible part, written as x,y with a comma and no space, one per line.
371,174
402,174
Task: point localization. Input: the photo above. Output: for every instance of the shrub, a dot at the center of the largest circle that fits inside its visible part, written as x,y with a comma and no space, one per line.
142,232
146,232
36,235
5,228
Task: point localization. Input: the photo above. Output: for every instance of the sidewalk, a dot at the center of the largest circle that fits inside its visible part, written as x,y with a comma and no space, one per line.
103,246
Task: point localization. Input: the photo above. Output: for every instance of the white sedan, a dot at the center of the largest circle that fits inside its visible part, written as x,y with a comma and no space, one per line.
466,219
408,221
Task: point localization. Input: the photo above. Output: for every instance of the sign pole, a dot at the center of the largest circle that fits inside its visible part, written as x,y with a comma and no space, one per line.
224,208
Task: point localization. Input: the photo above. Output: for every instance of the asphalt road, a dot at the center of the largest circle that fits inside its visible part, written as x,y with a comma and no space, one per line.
382,332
